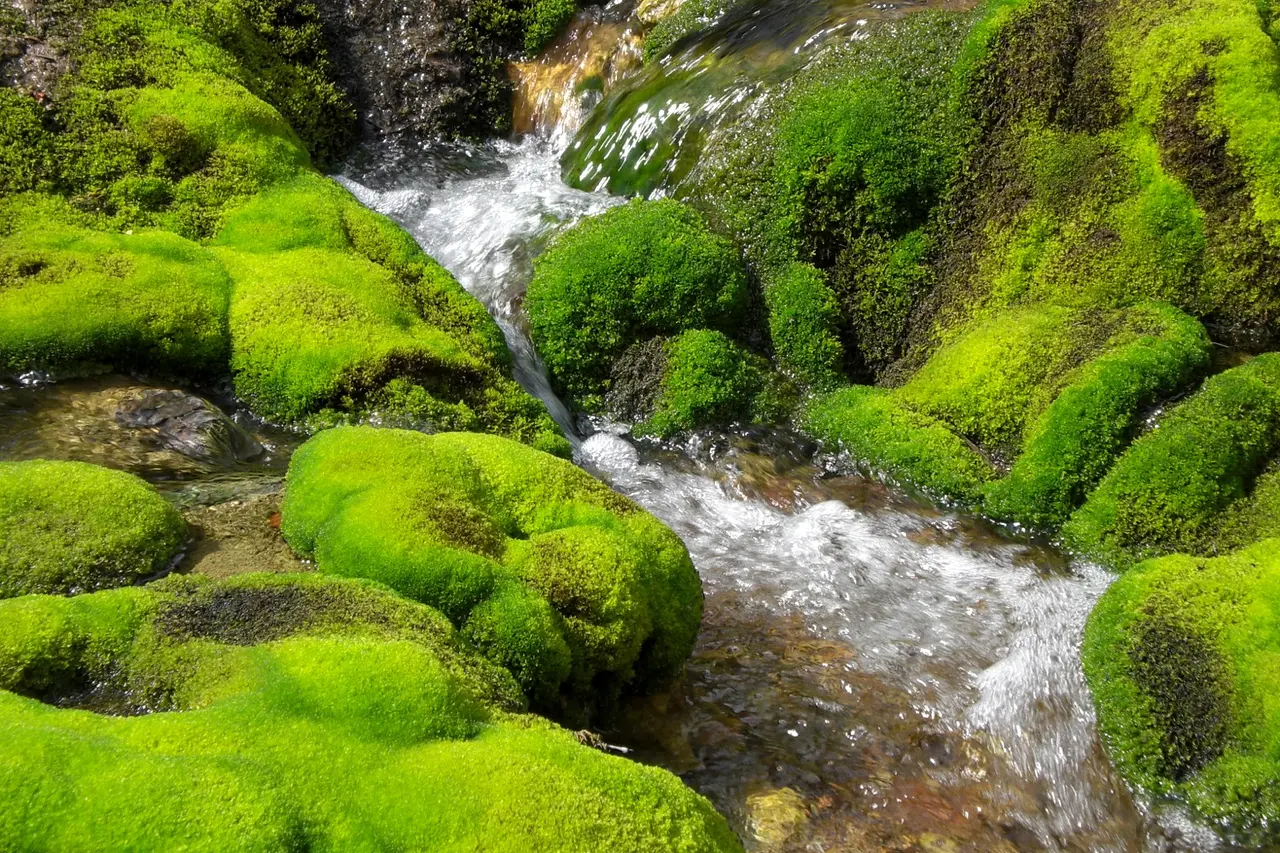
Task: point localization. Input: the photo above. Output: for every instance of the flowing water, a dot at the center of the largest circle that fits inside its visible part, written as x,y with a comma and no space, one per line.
874,673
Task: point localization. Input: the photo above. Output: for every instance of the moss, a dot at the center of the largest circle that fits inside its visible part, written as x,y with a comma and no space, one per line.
26,146
148,300
1167,492
708,380
690,17
1070,446
68,527
568,584
803,322
1252,518
639,270
895,441
366,724
1180,654
544,19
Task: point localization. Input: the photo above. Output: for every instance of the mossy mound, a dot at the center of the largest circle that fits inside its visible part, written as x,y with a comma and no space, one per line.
170,197
69,527
300,712
1181,656
1169,490
804,322
637,271
572,587
899,443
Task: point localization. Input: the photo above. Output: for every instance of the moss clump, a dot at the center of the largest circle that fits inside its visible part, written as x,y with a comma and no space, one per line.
1180,654
68,527
1167,492
543,21
895,441
690,17
639,270
708,380
146,301
569,585
357,720
803,324
1070,446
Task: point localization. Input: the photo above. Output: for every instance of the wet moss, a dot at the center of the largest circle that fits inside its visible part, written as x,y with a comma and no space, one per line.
1168,491
639,270
1179,654
803,327
352,730
69,527
569,585
707,379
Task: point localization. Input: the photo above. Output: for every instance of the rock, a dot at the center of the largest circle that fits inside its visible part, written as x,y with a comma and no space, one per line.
775,816
189,425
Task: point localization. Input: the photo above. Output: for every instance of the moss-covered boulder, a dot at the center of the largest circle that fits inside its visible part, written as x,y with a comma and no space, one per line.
170,197
708,379
637,271
1170,489
1181,656
300,712
69,527
571,586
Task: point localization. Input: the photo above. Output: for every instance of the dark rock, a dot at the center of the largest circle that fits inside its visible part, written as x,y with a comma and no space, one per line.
636,381
423,69
188,425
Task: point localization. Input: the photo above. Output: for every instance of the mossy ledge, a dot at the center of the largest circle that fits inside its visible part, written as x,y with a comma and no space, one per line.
298,712
165,188
70,527
572,587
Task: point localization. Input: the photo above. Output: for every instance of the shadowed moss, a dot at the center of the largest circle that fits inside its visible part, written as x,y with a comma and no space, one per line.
364,724
1180,654
634,272
569,585
876,430
68,527
1167,492
803,323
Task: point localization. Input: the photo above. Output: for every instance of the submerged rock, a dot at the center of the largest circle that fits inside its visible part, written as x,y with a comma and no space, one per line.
301,710
190,425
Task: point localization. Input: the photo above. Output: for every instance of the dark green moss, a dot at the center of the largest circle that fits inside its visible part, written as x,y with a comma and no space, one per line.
564,582
364,722
639,270
690,17
1167,492
1180,656
708,379
544,19
803,323
68,527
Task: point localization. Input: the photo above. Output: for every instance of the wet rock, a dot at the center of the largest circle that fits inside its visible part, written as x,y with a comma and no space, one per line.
31,57
776,815
188,425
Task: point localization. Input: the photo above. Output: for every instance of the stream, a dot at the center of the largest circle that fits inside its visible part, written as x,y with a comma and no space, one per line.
874,672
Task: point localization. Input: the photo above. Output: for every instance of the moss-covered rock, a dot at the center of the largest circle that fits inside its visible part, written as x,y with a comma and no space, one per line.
1168,491
569,585
899,443
1068,448
185,127
69,527
301,712
708,379
1181,656
636,271
804,323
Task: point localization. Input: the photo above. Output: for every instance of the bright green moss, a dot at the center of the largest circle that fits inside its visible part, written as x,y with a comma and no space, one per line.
1252,518
569,585
709,380
149,300
26,149
544,19
68,527
636,271
1070,446
301,713
912,448
1181,656
803,318
1166,493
